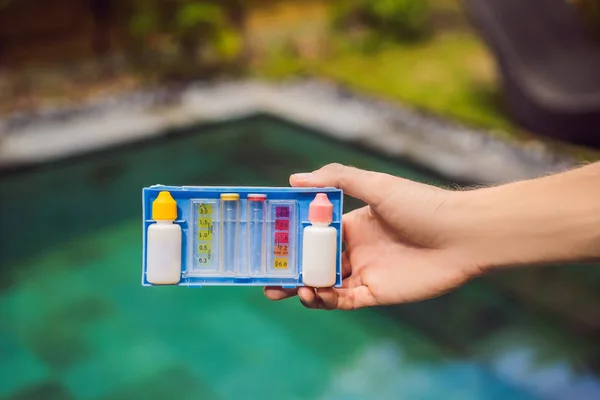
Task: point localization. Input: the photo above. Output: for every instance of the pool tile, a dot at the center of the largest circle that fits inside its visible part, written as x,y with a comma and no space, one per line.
117,366
45,390
178,383
383,371
59,340
20,367
58,345
243,340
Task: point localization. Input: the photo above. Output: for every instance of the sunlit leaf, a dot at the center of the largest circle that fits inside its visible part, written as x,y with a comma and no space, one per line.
228,43
193,14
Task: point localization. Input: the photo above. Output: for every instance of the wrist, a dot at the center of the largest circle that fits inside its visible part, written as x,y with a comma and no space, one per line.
552,219
490,232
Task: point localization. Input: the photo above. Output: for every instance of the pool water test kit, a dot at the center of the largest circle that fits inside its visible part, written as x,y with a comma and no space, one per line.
244,236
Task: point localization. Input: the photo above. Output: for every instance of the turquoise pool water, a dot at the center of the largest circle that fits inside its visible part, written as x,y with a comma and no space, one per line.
76,324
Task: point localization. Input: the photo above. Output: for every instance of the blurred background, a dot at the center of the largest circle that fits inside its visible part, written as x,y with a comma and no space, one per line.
75,322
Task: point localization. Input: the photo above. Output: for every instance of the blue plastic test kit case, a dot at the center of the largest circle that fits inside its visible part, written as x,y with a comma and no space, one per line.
218,249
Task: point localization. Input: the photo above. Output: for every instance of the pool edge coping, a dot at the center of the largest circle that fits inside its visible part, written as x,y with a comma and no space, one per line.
454,151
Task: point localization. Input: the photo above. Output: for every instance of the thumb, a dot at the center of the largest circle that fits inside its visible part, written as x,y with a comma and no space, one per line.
367,186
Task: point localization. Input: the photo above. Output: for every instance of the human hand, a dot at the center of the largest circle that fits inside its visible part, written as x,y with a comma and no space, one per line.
399,248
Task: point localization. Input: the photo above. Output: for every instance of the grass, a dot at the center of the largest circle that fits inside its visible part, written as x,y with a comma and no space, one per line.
450,75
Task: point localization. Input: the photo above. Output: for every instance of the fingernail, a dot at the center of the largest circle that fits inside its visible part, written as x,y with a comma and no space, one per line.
303,176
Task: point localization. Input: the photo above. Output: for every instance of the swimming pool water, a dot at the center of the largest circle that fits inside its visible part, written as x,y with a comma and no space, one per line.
76,324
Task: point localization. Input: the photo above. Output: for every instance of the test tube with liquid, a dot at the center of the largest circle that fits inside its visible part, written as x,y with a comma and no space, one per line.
230,204
256,233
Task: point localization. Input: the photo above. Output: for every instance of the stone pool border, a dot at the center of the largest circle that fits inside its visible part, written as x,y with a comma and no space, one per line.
457,152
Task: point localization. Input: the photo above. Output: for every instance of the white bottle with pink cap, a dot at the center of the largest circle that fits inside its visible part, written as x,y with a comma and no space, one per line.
319,245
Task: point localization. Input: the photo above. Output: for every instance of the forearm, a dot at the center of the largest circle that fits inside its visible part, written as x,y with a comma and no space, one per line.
546,220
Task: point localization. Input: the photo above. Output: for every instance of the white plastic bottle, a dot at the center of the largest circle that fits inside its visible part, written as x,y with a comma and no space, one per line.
163,245
319,245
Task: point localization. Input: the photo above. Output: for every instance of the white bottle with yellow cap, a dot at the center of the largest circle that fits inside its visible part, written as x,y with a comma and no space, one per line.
163,257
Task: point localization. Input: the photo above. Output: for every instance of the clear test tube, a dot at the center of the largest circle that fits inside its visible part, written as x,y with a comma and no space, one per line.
256,233
230,207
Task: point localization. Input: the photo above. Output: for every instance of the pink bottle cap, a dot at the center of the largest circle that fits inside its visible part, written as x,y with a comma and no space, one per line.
257,197
320,209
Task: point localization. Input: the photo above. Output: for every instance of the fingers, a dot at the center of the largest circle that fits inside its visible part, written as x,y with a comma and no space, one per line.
329,298
336,299
349,297
324,298
278,293
355,298
368,186
307,297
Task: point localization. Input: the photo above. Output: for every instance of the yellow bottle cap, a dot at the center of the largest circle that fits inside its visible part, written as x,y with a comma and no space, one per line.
230,196
164,208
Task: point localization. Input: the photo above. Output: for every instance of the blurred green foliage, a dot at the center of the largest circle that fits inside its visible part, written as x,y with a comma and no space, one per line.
397,20
186,38
448,75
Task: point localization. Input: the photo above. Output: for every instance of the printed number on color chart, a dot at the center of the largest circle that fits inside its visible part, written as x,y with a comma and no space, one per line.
204,248
282,238
281,250
205,223
282,225
204,235
204,260
280,263
282,212
205,209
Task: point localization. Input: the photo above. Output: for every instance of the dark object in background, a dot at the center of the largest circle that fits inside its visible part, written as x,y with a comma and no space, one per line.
101,15
549,64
